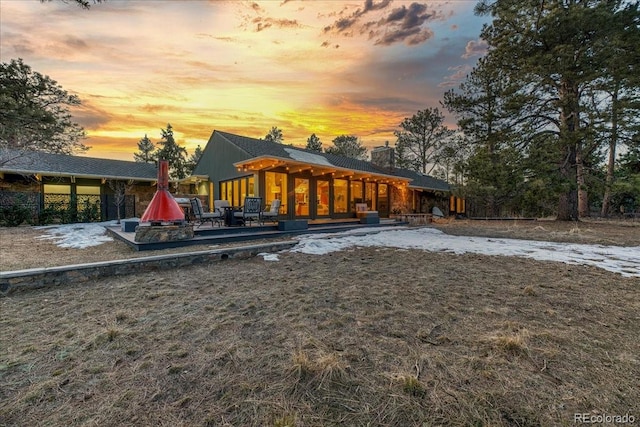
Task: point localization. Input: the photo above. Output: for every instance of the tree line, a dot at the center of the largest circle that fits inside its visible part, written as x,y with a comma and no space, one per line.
545,112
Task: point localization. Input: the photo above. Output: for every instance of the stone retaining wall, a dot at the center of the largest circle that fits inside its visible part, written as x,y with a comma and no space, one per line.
12,281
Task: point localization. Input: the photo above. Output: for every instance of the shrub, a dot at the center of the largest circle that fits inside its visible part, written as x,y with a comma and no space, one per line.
90,212
14,215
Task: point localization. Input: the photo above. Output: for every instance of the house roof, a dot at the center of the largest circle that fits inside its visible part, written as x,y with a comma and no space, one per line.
35,162
419,180
258,148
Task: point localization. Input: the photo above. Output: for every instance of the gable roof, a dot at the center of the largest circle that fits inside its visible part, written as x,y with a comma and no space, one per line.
48,164
256,148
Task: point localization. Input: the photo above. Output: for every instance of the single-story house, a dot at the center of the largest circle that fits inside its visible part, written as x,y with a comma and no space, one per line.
313,185
84,187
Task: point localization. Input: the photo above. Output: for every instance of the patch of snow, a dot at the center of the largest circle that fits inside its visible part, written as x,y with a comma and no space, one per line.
617,259
76,236
269,257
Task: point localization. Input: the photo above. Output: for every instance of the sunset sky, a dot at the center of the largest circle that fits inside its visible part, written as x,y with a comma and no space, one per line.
324,67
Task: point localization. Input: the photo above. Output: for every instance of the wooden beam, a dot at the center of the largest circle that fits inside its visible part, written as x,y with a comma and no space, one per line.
321,172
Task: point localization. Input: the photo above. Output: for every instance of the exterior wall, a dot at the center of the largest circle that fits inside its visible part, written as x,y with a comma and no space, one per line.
217,162
143,193
10,184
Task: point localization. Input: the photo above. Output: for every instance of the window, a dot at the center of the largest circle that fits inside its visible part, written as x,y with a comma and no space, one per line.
340,195
322,195
356,194
276,188
370,195
236,190
302,196
57,189
86,189
383,199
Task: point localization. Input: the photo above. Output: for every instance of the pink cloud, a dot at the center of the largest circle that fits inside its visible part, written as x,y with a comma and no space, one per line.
475,48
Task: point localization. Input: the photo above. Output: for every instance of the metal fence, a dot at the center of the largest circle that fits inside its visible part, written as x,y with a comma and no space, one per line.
39,208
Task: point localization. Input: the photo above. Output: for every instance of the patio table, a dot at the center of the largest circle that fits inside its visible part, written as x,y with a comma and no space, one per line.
230,219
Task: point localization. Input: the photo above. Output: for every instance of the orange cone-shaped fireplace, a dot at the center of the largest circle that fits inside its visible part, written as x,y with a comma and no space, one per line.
163,207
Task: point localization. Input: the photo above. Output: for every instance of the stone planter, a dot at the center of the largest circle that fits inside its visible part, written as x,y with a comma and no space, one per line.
163,233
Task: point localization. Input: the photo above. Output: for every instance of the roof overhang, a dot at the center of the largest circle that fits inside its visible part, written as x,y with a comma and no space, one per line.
415,187
194,179
74,175
266,163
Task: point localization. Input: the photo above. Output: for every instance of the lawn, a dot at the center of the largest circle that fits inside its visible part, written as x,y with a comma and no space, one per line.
365,336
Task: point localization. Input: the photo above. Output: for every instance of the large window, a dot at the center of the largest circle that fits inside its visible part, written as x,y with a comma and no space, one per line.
383,200
236,190
356,194
370,195
322,196
340,195
276,188
302,196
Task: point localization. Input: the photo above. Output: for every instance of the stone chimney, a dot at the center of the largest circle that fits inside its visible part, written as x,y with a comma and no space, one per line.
384,157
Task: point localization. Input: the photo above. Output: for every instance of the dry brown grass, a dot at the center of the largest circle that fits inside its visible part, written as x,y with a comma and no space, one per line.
361,337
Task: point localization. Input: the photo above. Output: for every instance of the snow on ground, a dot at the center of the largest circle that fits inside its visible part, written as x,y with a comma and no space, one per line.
617,259
269,257
77,236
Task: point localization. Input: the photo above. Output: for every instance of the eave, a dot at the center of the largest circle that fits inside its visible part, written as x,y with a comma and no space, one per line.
75,175
266,163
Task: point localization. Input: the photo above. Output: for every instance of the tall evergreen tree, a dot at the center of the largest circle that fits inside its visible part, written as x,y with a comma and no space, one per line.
145,152
314,144
34,112
494,167
421,137
168,149
347,146
403,158
620,84
550,53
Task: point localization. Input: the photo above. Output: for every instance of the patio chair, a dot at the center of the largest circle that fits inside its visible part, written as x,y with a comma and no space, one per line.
272,213
251,210
201,215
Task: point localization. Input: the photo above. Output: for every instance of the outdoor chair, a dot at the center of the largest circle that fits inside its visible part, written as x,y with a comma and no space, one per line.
251,210
201,215
272,213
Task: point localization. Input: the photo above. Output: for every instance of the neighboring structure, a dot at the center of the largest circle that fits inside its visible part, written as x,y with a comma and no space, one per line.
314,185
44,182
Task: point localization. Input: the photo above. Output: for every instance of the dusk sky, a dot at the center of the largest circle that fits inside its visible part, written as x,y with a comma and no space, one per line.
324,67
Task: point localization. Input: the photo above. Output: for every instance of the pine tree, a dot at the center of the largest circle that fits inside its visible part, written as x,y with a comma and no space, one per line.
34,112
551,54
145,152
314,144
169,150
421,137
274,135
347,146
